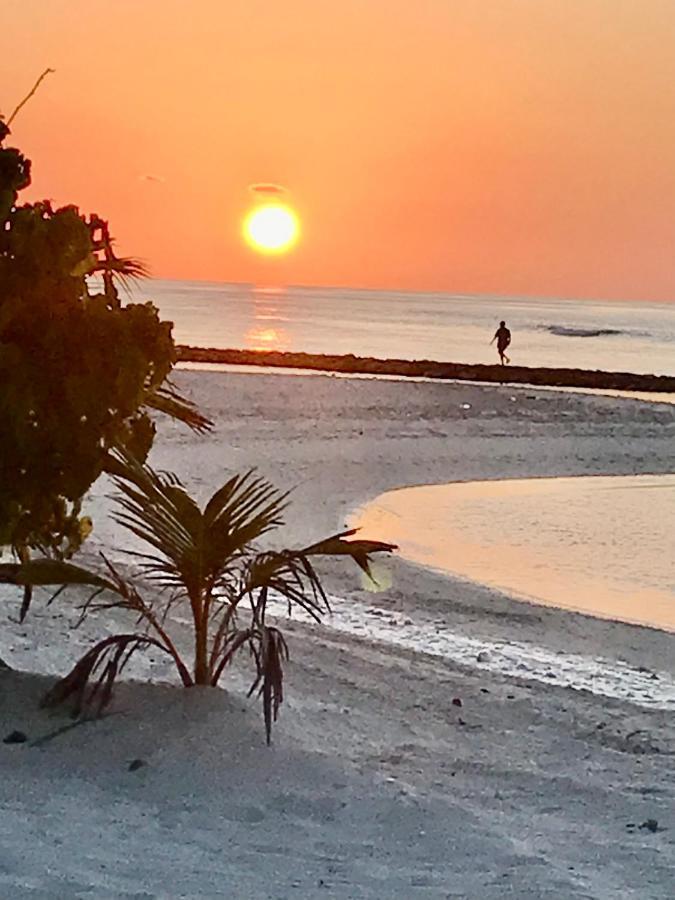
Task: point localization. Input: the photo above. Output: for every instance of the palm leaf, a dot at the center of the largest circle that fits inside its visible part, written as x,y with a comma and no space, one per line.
50,572
193,548
166,399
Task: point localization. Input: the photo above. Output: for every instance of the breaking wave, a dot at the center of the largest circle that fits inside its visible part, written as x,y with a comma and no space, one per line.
566,331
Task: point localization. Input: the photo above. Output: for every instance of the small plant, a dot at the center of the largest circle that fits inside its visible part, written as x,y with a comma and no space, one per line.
205,560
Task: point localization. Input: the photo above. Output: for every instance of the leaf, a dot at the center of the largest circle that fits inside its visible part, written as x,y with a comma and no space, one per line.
45,572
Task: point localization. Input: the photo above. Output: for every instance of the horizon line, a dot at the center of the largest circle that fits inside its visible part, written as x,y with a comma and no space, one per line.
420,291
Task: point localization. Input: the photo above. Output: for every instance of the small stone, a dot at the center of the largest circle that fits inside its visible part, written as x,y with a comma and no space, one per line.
484,691
651,825
510,696
136,764
15,737
456,701
483,656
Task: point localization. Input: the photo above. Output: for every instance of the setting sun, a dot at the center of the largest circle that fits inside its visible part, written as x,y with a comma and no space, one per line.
272,228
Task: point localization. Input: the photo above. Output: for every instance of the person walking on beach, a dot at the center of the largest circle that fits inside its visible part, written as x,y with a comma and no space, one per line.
503,338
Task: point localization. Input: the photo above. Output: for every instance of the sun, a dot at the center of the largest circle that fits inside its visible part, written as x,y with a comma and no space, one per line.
271,228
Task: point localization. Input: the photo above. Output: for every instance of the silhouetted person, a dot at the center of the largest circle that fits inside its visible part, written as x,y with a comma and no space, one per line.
503,338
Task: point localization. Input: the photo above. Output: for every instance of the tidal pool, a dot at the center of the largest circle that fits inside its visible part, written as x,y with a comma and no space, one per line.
602,545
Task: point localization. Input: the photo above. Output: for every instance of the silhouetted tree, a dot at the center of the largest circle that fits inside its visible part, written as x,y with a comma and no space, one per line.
79,370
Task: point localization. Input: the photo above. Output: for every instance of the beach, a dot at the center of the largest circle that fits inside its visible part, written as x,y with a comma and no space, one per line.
393,772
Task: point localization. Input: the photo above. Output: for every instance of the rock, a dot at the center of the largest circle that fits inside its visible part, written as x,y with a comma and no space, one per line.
456,701
650,825
136,764
15,737
483,656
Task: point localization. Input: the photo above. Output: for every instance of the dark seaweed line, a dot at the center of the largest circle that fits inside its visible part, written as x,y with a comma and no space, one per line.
367,365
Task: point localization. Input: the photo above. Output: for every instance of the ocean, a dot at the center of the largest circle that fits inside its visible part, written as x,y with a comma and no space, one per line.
616,336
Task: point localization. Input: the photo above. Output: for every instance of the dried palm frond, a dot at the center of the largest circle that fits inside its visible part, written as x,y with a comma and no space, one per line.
106,659
269,650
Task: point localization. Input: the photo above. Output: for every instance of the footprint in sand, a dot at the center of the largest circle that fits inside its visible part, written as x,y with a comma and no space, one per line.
251,815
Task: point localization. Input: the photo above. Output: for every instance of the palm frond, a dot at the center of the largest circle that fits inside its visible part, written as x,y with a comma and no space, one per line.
359,550
50,572
106,659
193,547
269,650
124,269
168,400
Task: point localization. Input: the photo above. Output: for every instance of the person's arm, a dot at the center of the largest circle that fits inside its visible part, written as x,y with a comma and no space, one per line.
494,338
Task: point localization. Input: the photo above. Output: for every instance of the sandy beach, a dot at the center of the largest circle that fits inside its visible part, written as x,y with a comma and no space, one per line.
394,772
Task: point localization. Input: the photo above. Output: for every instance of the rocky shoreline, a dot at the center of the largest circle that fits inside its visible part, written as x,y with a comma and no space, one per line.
367,365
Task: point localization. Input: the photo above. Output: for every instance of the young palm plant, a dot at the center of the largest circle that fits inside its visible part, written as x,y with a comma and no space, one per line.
208,562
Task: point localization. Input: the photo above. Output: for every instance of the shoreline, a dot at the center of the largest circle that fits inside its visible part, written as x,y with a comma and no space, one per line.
442,371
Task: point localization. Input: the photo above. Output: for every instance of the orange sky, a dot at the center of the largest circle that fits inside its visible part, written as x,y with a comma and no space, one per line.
478,146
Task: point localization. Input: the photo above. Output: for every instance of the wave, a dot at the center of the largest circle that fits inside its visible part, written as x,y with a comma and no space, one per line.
565,331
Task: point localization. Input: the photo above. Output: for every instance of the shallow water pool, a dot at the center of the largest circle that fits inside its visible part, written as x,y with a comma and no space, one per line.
599,545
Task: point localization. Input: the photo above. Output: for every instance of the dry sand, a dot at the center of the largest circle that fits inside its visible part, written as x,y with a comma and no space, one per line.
376,785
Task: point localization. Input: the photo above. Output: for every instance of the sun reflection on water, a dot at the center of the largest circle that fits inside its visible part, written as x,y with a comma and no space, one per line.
267,331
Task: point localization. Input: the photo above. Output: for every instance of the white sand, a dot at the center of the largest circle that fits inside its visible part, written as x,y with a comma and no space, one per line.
376,785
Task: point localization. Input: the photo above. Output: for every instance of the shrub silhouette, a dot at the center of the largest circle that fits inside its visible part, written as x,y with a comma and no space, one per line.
79,371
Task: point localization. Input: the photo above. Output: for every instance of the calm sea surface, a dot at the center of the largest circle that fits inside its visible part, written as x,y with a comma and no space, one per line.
601,545
634,337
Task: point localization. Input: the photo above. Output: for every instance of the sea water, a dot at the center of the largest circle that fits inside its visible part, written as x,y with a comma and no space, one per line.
595,544
617,336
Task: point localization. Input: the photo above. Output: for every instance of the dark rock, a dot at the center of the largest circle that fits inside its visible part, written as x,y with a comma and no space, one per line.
136,764
15,737
650,825
621,381
456,701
